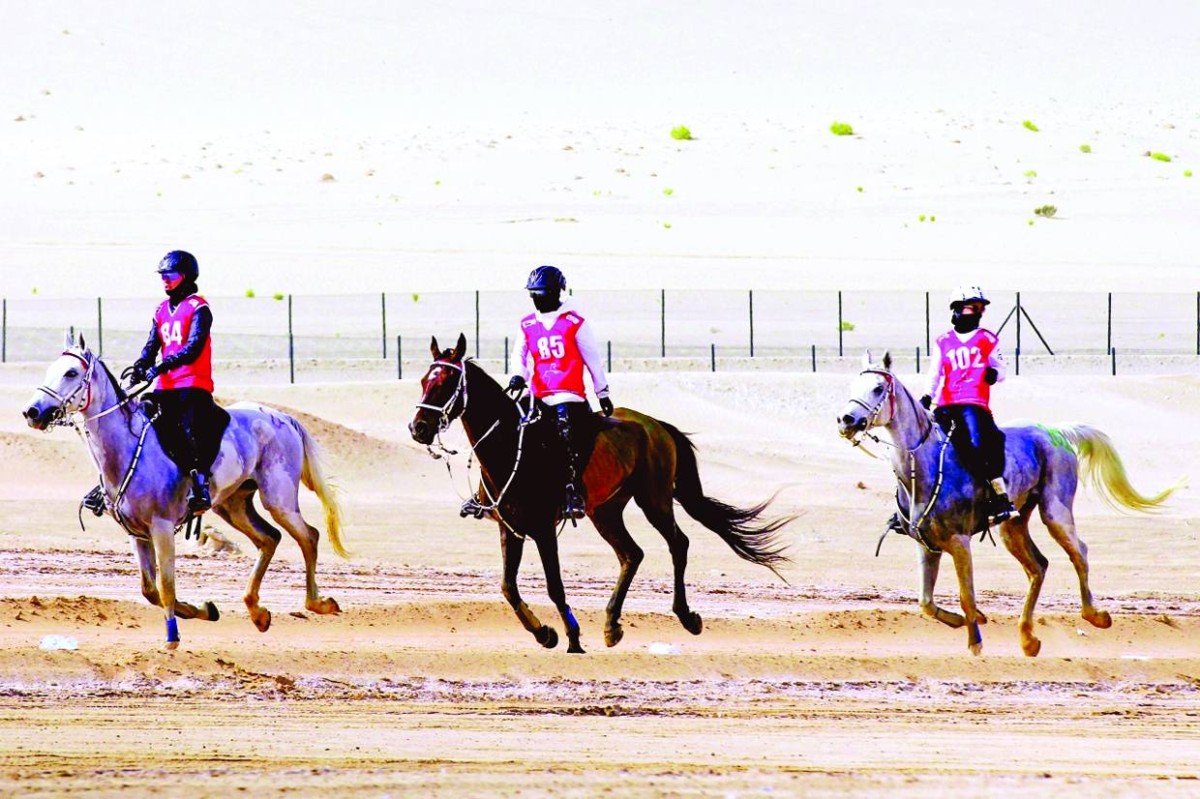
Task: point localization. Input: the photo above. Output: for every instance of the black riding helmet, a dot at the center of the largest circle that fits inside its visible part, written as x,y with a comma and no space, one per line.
546,279
181,262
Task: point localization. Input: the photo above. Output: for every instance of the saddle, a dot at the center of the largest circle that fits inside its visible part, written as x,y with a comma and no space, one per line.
172,438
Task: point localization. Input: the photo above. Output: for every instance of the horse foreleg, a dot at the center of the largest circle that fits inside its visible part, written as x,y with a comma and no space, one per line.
929,573
609,522
959,548
1060,521
547,545
511,548
144,551
162,537
239,511
1015,535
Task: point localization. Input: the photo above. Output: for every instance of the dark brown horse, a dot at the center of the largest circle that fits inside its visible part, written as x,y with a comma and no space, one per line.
635,457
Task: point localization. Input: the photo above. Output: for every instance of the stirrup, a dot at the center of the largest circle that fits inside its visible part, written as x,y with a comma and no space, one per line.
199,500
94,501
472,508
574,508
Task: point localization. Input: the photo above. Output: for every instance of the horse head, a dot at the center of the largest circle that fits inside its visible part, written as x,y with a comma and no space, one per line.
443,392
872,398
67,388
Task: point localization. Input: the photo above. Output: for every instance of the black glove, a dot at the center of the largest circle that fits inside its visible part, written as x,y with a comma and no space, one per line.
606,406
990,375
516,385
926,401
132,375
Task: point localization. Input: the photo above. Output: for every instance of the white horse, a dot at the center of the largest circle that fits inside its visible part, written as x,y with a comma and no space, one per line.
263,451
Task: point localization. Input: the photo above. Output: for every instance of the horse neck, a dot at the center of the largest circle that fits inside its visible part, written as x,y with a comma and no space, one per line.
909,429
109,436
488,407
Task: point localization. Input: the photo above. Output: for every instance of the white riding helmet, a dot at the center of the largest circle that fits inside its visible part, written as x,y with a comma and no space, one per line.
964,294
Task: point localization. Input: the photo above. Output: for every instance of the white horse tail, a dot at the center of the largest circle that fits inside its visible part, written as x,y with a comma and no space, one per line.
314,478
1100,465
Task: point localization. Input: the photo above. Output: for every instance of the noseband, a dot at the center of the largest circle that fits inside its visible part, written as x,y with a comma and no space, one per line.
889,397
445,412
64,401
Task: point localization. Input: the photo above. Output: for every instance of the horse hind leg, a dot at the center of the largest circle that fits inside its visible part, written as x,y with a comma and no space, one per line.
611,525
239,512
284,507
663,520
1060,521
1015,535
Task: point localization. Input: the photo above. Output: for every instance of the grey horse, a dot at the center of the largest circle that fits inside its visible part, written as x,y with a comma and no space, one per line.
263,451
943,508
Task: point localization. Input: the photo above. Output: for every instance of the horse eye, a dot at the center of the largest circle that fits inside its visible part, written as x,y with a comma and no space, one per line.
877,389
72,373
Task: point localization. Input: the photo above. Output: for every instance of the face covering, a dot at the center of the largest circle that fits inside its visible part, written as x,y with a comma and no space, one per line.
964,323
545,303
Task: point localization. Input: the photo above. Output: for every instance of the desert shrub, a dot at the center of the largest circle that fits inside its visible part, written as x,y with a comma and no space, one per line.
681,133
1029,126
841,129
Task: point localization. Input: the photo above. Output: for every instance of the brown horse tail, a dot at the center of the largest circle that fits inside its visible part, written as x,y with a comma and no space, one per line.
757,543
314,478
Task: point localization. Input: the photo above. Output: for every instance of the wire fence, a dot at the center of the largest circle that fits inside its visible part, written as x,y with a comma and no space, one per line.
1156,332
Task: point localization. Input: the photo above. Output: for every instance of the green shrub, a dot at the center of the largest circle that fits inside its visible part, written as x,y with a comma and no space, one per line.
416,297
1029,126
841,129
1187,173
1031,173
1046,211
278,295
1161,157
847,326
681,133
1085,148
249,294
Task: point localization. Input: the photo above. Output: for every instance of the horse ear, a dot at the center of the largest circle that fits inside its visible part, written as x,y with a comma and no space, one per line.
433,348
866,362
81,342
887,360
461,347
69,336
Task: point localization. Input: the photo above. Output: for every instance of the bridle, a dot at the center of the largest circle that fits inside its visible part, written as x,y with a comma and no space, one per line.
873,412
447,414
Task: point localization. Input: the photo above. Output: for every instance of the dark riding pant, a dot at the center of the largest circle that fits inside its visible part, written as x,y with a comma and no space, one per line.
978,442
194,409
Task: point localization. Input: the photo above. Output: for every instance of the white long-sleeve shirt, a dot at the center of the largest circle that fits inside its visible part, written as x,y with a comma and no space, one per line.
589,349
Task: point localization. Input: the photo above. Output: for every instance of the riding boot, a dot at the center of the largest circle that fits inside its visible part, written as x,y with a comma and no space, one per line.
474,505
574,505
1000,507
94,501
198,497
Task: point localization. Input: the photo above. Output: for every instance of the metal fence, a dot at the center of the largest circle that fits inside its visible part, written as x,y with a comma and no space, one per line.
689,329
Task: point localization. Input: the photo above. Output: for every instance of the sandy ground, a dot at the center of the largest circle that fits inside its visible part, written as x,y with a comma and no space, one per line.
315,148
426,684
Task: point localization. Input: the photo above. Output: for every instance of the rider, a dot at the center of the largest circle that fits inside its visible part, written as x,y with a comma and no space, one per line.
180,331
969,363
556,345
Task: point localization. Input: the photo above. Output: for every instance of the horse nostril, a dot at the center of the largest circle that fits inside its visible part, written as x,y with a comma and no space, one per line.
847,420
31,412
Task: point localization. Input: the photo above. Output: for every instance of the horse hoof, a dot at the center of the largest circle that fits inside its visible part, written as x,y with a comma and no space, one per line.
980,618
575,649
171,646
976,649
546,636
1032,647
613,636
693,623
1100,618
261,618
324,606
210,612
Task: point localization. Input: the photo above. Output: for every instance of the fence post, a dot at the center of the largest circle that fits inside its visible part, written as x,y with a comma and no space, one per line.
1018,361
100,327
927,350
714,356
840,352
291,345
1018,320
383,319
1198,322
1114,361
814,358
506,355
476,323
1108,348
662,302
399,360
610,355
751,326
918,360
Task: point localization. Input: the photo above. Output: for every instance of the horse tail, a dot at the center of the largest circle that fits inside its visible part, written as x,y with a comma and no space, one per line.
312,474
1101,466
757,543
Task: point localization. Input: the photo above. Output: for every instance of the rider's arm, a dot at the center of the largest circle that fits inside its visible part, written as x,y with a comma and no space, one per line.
593,358
996,361
150,351
197,338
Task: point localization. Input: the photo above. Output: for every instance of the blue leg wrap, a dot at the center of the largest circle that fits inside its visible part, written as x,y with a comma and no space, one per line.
172,630
571,623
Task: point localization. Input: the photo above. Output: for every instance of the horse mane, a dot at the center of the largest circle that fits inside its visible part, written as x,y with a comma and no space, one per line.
121,395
